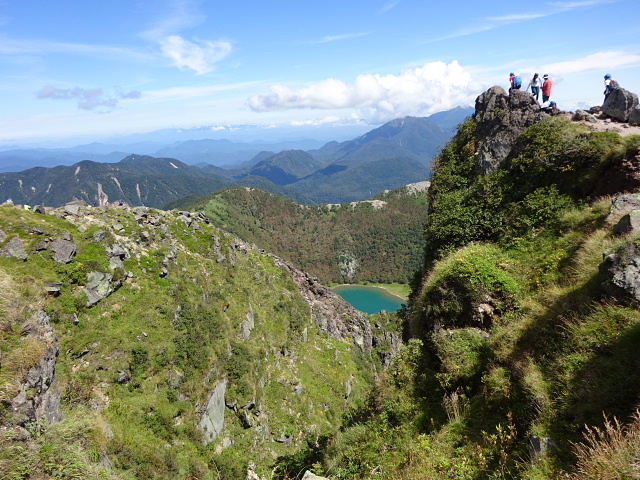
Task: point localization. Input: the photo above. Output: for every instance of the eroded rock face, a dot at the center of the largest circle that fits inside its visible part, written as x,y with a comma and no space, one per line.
500,118
332,314
36,401
619,104
212,420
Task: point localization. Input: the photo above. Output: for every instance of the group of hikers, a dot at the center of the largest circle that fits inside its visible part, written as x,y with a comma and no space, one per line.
544,85
536,85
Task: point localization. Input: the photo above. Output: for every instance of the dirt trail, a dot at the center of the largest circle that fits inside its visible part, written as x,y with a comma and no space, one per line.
607,125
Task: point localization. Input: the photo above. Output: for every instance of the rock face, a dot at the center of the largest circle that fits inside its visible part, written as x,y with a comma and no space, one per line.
212,420
36,401
333,315
619,104
500,118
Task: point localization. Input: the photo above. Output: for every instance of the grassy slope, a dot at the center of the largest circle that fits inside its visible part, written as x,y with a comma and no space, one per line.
512,337
157,330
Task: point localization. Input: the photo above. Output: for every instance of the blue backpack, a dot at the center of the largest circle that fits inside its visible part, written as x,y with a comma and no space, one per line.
517,82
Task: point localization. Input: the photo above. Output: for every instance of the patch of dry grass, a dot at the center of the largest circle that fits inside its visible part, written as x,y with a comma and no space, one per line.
612,452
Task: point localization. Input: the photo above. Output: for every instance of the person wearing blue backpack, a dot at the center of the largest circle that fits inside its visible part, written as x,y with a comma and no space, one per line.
516,82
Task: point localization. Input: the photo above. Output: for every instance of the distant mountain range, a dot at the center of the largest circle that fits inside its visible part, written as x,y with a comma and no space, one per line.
395,154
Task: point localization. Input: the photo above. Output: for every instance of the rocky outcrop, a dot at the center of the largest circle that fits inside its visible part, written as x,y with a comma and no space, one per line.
212,420
333,315
619,104
36,401
500,118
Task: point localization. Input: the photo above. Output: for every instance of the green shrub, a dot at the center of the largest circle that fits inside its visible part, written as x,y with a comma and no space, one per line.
471,287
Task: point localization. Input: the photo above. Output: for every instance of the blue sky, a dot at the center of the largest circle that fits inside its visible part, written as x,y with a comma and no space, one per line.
122,66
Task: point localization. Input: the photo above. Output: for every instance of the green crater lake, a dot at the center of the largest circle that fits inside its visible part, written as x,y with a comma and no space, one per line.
370,299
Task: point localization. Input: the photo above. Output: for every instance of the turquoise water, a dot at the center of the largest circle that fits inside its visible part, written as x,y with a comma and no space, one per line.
369,299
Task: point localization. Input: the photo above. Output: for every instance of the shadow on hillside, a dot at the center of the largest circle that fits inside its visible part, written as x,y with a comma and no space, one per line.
589,373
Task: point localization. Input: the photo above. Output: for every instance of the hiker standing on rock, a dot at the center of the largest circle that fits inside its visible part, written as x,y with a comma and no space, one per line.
609,85
546,88
535,84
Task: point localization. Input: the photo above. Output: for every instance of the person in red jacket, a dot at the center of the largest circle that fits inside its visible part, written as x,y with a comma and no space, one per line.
546,88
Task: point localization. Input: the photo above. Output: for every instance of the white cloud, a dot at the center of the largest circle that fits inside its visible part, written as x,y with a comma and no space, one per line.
425,90
602,61
345,36
88,99
199,57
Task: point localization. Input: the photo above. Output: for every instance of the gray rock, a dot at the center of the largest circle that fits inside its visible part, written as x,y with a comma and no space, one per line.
308,475
212,421
628,223
122,377
99,286
99,236
625,203
14,248
247,324
619,104
500,118
3,235
63,249
36,399
579,115
72,209
39,209
621,272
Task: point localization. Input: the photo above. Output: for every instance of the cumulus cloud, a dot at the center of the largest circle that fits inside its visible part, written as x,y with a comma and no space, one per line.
199,57
434,87
88,99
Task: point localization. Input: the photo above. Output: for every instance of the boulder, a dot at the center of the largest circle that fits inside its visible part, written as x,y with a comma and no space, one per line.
619,103
63,249
99,286
621,272
500,118
634,115
14,248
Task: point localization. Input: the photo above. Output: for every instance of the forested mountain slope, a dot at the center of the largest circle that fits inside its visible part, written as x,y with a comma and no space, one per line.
376,240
